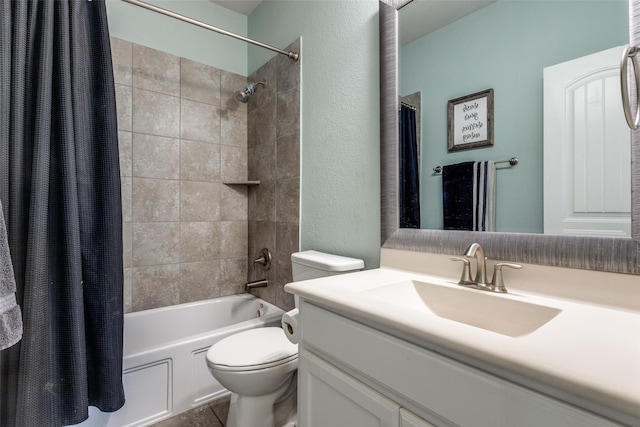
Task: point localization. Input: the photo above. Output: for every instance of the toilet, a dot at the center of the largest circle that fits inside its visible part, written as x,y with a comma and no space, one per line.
259,366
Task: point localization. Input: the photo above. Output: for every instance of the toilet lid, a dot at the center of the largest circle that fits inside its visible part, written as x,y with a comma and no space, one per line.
253,349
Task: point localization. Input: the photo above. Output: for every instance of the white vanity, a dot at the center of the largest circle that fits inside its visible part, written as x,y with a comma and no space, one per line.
404,345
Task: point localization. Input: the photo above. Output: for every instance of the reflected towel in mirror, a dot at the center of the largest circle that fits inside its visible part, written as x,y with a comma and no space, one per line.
469,195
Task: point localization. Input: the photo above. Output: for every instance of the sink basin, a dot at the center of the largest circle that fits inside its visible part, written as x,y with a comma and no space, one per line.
481,309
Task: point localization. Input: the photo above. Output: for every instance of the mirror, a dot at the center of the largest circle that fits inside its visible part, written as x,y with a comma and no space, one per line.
493,47
612,254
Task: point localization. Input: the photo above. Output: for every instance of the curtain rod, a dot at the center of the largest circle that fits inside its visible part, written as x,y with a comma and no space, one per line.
404,104
292,55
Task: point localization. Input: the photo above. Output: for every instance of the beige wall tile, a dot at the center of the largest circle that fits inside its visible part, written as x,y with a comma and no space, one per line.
274,159
265,97
233,276
192,237
127,290
199,161
199,201
288,200
261,126
199,82
233,128
124,107
288,122
155,157
229,84
262,202
156,70
263,161
156,286
126,194
199,281
263,235
127,245
288,71
155,200
234,202
124,150
199,241
200,122
234,237
156,243
156,113
288,157
233,164
122,56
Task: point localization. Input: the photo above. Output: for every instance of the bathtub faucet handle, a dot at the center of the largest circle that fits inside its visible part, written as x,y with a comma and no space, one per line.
264,259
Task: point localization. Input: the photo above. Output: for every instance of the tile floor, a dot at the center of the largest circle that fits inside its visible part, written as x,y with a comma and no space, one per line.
213,414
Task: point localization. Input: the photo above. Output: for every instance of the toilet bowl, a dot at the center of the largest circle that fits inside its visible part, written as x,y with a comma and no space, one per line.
259,366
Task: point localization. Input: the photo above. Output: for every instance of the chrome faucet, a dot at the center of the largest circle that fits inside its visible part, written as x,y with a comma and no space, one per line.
475,250
480,280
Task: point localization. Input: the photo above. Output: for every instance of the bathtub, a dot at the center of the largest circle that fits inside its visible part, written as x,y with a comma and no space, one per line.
164,367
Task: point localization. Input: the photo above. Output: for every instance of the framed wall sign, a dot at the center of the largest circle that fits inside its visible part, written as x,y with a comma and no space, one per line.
470,121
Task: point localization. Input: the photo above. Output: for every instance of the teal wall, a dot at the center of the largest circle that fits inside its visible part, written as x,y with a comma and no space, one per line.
340,141
157,31
503,46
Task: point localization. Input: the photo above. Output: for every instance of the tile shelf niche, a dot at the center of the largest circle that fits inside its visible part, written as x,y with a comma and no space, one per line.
247,183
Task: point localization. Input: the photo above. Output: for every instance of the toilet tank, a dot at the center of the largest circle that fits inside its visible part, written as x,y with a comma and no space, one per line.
313,264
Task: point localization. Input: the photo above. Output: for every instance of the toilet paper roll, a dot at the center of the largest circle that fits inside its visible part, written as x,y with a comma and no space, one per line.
290,325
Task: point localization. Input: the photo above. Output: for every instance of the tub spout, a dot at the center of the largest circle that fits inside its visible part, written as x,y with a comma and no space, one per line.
257,284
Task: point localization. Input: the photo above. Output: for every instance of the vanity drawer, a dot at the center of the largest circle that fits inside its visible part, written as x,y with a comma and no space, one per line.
456,392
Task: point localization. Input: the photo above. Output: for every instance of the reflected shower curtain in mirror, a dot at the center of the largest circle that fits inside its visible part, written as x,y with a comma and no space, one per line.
409,179
60,190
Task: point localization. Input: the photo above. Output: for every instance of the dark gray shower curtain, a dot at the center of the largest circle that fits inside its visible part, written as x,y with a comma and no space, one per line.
409,170
60,188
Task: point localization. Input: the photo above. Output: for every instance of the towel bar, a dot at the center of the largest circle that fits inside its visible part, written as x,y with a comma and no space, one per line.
512,161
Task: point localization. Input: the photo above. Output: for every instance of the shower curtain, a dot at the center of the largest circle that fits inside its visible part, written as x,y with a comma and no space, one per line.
60,189
409,179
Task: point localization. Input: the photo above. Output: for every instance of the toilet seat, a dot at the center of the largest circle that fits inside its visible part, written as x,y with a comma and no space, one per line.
252,350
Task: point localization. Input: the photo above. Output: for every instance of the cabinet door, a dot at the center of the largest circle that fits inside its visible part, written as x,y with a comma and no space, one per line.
330,398
408,419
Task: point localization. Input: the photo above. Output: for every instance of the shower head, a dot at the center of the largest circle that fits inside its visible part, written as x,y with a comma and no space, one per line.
250,88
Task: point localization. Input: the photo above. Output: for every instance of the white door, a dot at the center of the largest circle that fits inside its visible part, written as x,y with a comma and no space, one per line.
408,419
329,398
587,174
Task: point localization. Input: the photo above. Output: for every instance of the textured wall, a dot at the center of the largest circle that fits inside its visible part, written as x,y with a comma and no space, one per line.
182,134
274,160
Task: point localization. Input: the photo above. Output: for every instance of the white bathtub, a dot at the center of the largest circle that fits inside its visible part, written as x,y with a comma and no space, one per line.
164,367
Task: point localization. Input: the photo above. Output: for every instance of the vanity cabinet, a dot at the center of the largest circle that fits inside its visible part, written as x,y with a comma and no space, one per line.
353,374
339,400
407,419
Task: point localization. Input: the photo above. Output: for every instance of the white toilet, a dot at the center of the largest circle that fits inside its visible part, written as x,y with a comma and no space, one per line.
258,366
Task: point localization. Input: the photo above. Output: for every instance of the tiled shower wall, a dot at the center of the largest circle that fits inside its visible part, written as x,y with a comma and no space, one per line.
274,160
182,134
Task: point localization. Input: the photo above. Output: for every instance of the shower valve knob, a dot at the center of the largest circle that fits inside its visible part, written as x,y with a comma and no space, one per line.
264,259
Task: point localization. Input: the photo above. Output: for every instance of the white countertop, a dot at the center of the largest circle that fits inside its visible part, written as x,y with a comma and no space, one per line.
589,353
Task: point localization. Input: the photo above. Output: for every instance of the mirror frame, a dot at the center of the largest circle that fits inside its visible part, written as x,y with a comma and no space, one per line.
612,254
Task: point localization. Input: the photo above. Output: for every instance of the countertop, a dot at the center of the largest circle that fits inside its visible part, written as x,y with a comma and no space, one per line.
588,355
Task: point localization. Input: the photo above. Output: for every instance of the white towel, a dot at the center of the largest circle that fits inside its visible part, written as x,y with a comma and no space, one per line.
10,313
484,196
